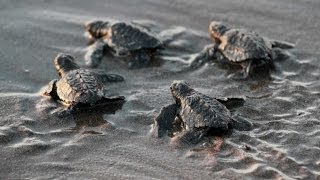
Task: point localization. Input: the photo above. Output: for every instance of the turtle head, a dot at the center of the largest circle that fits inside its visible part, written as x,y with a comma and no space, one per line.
97,29
217,29
180,89
65,63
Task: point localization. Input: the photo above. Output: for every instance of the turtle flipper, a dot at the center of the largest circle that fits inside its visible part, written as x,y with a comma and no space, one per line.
279,54
105,77
281,44
107,104
204,56
95,53
172,34
240,123
232,103
163,123
140,59
111,99
190,137
52,89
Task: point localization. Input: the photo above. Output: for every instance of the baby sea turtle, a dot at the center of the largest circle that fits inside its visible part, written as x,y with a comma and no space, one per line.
121,39
196,115
80,87
239,46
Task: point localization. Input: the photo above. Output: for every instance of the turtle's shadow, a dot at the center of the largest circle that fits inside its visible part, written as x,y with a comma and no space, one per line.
83,116
93,116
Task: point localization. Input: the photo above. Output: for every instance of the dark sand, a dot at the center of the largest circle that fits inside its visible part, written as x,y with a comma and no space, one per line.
35,143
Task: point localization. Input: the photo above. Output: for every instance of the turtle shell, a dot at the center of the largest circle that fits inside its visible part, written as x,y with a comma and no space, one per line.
238,45
129,37
79,86
200,111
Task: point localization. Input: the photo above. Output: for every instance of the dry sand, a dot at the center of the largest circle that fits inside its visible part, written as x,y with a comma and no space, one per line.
34,143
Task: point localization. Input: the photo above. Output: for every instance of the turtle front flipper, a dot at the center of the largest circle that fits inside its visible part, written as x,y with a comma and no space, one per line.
95,53
139,59
163,123
208,53
240,123
52,90
281,44
105,77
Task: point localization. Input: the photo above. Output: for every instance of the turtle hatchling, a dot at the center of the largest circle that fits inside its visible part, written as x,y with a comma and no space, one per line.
78,87
239,46
122,39
194,115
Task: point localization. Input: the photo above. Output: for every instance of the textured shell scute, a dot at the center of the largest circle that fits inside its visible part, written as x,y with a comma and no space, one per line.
240,45
131,37
79,86
199,111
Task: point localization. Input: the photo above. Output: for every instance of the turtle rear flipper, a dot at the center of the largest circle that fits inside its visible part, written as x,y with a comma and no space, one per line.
105,77
240,123
164,122
106,104
112,99
95,53
172,34
281,44
279,54
232,103
113,103
139,59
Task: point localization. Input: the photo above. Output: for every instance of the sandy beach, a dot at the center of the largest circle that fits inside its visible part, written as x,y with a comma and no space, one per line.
35,143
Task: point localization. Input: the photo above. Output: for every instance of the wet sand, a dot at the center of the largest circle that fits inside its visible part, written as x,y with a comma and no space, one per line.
36,143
